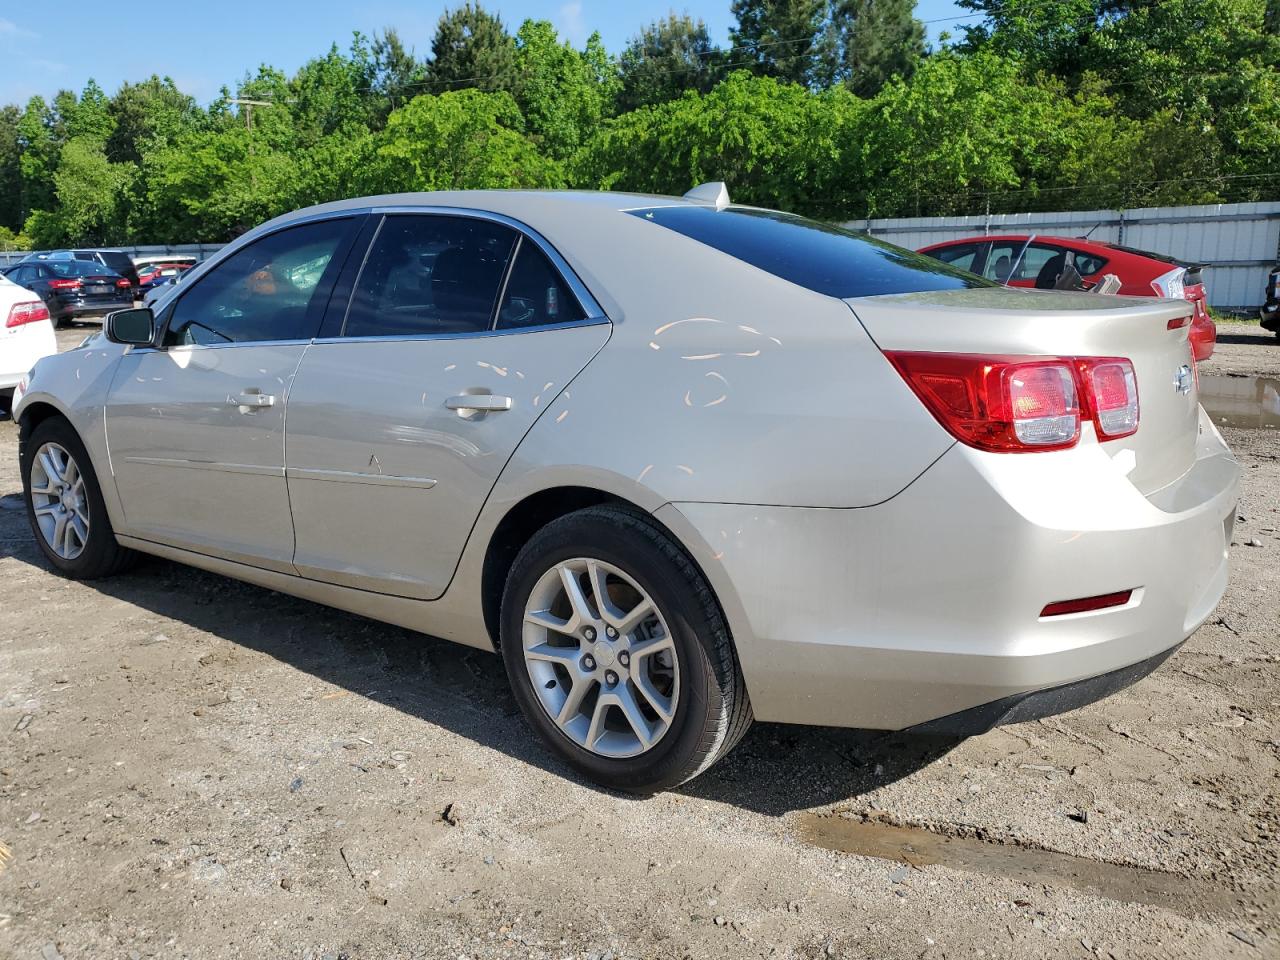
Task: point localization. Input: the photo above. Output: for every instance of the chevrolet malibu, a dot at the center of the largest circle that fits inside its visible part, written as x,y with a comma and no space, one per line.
680,462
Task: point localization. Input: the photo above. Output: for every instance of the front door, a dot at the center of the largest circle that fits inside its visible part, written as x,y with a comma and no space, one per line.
459,334
195,426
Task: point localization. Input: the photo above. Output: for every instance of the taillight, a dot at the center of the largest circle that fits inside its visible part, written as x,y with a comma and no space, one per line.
997,403
64,284
1023,404
123,283
31,312
1112,389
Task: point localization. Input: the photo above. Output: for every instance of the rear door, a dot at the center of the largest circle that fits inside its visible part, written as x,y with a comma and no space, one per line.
196,425
458,333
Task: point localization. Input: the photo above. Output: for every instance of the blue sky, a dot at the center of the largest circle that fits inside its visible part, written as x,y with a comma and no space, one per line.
205,45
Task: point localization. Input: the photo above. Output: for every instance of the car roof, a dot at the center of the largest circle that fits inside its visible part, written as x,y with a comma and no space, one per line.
516,204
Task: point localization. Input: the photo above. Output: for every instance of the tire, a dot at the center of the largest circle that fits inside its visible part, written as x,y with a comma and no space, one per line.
684,658
98,554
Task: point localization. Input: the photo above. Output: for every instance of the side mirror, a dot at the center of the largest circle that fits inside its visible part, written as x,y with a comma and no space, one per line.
135,328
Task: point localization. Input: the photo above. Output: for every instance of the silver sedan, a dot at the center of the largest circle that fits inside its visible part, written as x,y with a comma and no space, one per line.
680,462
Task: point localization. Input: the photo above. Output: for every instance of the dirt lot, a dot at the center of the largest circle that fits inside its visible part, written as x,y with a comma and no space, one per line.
191,767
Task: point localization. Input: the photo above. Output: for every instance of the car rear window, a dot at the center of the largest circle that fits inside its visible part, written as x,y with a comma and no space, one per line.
78,268
824,258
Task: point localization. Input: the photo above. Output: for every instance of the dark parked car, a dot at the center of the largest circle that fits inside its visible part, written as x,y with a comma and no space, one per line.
116,260
1271,309
73,288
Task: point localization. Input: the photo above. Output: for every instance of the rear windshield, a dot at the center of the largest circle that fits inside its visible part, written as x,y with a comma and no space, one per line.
824,258
77,268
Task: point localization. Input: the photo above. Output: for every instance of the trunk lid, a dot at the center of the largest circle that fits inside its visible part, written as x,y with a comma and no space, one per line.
1043,323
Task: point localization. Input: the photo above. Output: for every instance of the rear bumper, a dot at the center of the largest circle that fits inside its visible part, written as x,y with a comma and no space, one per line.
1021,707
929,604
63,310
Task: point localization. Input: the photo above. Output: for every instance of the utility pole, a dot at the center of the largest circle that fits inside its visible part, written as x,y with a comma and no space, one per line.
247,106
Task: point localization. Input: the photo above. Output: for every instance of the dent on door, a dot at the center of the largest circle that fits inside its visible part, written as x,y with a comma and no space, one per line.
393,446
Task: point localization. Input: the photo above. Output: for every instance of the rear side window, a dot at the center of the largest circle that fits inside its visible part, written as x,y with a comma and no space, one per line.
428,274
535,294
824,258
962,256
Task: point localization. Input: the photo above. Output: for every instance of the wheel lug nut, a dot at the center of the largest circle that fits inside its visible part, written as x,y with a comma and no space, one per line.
610,678
611,633
624,658
589,633
588,662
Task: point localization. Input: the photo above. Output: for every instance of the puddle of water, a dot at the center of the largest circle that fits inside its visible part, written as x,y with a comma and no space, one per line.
918,847
1252,403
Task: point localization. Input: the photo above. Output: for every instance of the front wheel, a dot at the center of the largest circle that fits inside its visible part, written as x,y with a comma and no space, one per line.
65,506
618,654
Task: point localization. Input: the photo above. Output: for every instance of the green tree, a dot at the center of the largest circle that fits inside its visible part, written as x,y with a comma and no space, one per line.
471,48
562,93
459,140
398,74
154,111
667,57
39,144
1049,35
773,143
869,41
778,38
11,213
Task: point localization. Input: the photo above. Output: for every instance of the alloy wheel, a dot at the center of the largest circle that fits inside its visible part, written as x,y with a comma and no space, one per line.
601,658
60,501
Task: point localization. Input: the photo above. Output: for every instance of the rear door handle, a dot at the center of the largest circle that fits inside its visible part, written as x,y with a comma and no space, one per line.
478,403
253,401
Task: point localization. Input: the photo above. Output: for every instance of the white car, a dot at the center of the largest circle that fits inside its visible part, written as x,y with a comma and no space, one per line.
27,335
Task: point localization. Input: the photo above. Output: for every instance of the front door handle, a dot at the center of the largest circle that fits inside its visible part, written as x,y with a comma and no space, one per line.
252,401
478,403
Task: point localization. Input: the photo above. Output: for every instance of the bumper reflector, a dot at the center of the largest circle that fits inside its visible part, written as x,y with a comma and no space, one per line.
1085,604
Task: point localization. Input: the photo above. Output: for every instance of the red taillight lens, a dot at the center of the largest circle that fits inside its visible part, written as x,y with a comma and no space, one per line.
1112,389
64,284
1022,404
21,313
997,403
1203,337
123,283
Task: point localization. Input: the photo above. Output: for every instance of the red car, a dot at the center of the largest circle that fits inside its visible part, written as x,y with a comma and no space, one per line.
1021,260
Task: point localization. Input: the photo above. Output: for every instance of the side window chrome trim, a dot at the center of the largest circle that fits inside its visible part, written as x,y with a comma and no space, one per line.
471,335
586,301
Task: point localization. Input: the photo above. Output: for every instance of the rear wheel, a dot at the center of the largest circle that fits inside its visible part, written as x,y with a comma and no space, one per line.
618,653
65,506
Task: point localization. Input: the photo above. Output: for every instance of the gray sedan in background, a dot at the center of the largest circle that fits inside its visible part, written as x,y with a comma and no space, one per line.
680,462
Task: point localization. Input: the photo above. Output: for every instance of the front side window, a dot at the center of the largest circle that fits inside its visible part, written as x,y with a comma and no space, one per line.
429,274
821,257
535,294
261,292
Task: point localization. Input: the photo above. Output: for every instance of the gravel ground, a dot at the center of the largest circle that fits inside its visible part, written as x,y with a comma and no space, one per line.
192,767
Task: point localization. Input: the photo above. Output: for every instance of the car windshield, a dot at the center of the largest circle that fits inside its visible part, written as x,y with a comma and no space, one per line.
824,258
78,268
